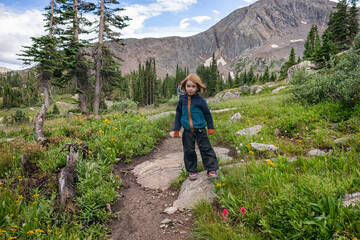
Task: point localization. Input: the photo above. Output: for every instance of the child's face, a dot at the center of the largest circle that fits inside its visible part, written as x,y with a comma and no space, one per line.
191,88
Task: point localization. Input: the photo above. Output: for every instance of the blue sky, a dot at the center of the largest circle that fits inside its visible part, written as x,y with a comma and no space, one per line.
22,19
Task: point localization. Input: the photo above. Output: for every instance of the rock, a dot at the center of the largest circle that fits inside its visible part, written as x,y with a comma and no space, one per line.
166,221
278,89
250,131
256,88
316,152
277,132
170,210
263,147
244,88
307,65
194,191
341,140
160,173
237,116
349,199
226,94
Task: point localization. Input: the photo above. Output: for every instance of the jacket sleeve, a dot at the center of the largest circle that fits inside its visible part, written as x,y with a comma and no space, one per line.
207,114
177,123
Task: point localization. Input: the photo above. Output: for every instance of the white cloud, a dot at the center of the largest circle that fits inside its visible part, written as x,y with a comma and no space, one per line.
199,19
140,13
15,32
216,12
249,1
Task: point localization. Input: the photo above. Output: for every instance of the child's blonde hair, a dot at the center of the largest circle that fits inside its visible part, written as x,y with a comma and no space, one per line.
195,79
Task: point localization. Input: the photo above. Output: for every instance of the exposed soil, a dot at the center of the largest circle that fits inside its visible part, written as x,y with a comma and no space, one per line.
141,209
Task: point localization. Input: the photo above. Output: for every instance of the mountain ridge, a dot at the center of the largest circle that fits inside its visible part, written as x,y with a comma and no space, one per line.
265,29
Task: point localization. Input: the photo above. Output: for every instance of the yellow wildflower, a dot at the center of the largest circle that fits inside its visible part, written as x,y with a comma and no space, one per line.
21,197
218,185
116,176
10,238
266,186
30,232
79,142
36,195
251,152
2,231
109,148
1,183
39,231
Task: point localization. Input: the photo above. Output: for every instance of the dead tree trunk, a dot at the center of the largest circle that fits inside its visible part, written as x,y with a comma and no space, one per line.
68,174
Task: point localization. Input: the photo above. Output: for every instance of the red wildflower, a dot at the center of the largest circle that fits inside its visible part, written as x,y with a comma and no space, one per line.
225,214
243,210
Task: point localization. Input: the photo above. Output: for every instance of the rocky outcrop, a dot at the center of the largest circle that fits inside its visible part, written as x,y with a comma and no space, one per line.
267,29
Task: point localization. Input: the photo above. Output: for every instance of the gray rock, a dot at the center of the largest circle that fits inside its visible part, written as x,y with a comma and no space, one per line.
307,65
316,152
349,199
278,89
166,221
341,140
170,210
277,132
263,147
193,191
250,131
244,88
237,116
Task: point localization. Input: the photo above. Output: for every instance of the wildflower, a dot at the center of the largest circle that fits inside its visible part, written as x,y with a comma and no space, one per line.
35,202
299,141
14,226
36,196
348,149
39,231
10,238
13,157
251,152
238,151
89,151
243,210
2,231
20,197
270,148
225,214
30,232
116,176
109,148
1,183
218,185
270,162
312,214
79,142
266,186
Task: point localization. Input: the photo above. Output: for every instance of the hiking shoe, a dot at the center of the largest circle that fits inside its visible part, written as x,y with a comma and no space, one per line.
213,174
192,176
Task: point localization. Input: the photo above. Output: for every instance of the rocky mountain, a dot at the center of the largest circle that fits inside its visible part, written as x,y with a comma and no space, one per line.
4,70
260,34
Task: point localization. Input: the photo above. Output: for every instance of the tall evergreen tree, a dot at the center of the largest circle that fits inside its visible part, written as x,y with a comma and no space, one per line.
337,26
310,42
45,54
353,22
288,64
106,67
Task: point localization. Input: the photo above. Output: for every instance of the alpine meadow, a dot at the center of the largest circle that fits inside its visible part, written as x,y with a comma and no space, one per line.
88,108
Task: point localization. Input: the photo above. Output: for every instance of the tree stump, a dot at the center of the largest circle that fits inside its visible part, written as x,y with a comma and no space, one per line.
28,167
68,174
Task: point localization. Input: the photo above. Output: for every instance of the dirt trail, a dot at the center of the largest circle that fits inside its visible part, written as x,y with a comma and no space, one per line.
141,209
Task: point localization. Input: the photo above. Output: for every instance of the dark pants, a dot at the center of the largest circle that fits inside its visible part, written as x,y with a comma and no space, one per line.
207,152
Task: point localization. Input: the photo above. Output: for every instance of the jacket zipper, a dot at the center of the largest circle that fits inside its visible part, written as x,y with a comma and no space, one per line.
189,113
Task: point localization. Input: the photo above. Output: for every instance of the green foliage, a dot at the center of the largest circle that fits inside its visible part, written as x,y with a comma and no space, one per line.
19,117
173,101
56,110
122,106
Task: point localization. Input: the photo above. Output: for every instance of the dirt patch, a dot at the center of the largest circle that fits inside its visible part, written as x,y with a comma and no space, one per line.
141,209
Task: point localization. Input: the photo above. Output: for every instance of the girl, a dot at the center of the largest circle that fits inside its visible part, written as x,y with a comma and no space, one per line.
192,112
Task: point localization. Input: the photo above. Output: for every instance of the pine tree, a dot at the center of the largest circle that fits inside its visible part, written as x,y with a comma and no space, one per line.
337,26
45,54
310,43
106,68
288,64
266,75
75,63
353,22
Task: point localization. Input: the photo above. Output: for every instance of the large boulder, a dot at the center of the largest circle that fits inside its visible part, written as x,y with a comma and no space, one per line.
307,65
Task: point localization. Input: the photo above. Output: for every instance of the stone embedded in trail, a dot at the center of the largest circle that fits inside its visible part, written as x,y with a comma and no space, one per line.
237,116
194,191
170,210
160,173
250,131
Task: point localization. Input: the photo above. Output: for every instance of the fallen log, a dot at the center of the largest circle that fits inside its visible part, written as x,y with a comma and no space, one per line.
68,174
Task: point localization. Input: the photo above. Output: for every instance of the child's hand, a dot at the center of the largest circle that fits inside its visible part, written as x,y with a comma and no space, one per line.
176,134
210,131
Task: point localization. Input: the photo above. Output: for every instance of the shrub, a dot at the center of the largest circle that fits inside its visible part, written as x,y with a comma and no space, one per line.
56,110
123,105
173,101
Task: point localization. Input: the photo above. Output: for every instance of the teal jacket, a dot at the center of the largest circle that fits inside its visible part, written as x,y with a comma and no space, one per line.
192,112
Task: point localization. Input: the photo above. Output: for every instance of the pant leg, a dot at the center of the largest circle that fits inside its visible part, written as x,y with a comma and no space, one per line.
208,155
190,158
